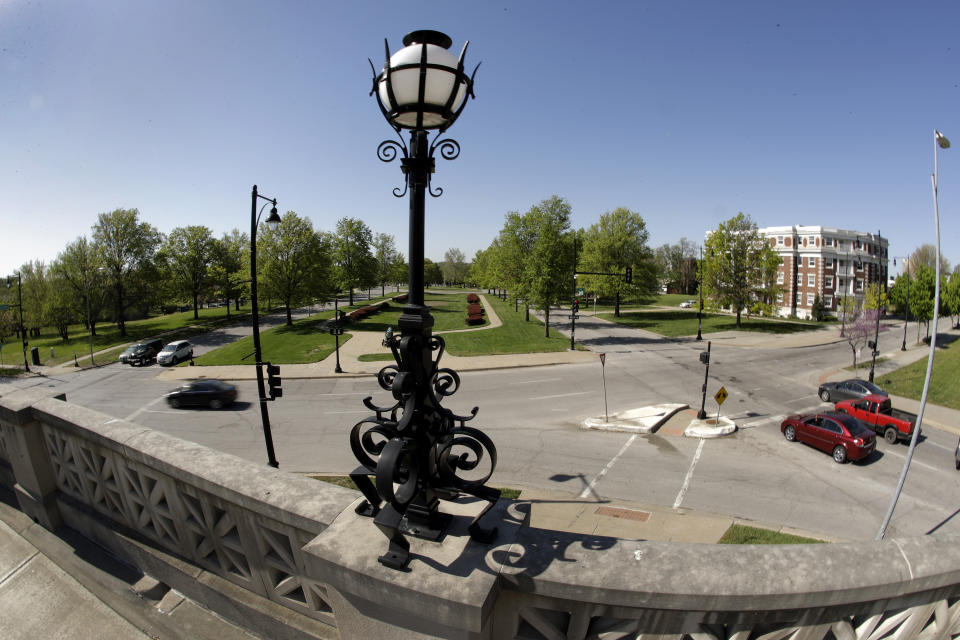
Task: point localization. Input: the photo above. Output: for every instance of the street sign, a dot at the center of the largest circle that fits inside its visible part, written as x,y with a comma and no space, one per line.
580,292
603,359
336,331
575,316
720,395
4,307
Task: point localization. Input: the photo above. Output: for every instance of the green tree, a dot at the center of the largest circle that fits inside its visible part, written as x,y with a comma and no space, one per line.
78,267
737,264
385,253
229,266
921,297
189,252
950,297
399,271
926,255
61,305
127,248
617,241
479,268
352,257
875,297
544,278
35,290
432,273
296,263
677,266
455,266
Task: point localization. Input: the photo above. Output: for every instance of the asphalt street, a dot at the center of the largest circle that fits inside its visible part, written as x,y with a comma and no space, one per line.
534,416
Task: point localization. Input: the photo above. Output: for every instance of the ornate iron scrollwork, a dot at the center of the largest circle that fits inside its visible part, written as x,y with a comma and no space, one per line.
418,451
388,150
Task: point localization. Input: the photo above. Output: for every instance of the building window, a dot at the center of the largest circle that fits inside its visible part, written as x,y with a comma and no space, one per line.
810,299
828,263
780,240
828,301
779,298
811,279
828,241
828,282
811,262
779,277
799,279
839,243
812,241
859,285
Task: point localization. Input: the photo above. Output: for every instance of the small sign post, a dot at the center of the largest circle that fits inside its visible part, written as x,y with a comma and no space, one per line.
603,369
720,396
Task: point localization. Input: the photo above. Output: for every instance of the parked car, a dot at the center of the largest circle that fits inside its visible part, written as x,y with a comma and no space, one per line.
215,394
848,389
175,352
877,412
142,352
686,304
836,433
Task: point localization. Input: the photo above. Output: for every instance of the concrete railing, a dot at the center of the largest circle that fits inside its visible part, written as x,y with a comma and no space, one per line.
286,556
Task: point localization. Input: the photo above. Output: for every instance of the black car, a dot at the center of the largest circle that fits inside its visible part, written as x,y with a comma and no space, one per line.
852,389
142,352
215,394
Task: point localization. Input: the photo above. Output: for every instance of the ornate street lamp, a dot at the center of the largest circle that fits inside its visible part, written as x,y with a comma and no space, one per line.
700,294
416,448
272,221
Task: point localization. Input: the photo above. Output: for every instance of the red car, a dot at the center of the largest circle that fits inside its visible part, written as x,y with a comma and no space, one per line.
836,433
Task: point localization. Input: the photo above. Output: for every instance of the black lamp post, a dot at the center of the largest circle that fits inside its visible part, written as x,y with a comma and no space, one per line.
273,220
23,329
906,310
876,329
416,448
700,292
337,330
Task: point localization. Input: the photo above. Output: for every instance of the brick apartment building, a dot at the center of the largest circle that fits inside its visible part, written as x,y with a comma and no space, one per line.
825,261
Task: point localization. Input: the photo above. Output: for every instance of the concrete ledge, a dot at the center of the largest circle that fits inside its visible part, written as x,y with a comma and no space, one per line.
641,420
710,428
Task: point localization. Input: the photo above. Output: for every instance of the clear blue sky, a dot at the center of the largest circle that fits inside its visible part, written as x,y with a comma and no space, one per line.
815,112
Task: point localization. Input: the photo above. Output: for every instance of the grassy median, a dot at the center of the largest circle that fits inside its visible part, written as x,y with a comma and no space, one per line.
908,381
672,324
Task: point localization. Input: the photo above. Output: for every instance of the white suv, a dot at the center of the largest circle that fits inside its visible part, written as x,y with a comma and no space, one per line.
175,352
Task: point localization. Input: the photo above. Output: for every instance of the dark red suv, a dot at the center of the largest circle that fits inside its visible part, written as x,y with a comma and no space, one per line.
836,433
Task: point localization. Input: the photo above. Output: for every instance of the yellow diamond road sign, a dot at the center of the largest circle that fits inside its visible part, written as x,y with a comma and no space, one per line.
720,395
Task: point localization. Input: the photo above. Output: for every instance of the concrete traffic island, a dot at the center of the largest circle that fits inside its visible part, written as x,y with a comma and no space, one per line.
640,420
716,427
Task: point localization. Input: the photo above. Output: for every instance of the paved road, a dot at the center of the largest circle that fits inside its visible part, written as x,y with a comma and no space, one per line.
534,416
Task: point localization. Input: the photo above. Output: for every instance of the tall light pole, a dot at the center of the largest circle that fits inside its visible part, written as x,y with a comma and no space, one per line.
876,329
906,310
416,448
273,220
939,142
700,291
23,329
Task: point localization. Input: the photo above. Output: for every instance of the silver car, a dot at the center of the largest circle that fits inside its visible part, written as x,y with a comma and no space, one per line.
175,352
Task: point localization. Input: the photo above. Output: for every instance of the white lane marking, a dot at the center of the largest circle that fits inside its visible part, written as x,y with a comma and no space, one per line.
142,409
586,492
541,380
913,461
561,395
937,444
686,480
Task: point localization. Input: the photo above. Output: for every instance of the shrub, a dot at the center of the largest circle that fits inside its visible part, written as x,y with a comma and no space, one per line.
472,298
474,310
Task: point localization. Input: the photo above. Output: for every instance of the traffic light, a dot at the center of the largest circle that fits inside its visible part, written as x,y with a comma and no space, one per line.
629,275
273,379
576,305
705,357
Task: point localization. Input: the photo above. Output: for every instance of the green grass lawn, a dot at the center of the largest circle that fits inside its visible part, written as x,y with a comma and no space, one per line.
515,336
683,322
177,325
304,342
449,311
742,534
908,381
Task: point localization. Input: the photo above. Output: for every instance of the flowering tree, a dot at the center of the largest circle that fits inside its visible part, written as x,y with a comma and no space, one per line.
859,331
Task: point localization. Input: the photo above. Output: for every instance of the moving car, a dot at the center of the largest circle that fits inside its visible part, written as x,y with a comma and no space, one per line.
877,412
836,433
142,352
175,352
686,304
848,389
215,394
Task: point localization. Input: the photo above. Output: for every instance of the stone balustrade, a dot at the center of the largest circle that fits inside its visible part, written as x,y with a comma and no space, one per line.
287,557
